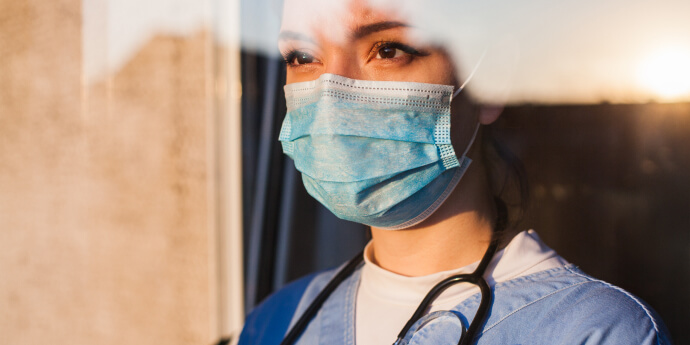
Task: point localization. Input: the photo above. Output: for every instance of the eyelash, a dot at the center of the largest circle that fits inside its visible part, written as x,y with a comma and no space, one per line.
290,55
376,49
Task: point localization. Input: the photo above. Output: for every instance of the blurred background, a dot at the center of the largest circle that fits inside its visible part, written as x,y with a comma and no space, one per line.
145,199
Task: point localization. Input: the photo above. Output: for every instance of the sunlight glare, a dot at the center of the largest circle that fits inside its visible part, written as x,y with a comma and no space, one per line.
667,73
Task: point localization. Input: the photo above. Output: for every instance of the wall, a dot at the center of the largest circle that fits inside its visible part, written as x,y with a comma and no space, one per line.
106,226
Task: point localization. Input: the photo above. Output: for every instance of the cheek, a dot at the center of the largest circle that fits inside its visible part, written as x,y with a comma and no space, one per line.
291,78
441,71
431,70
303,73
436,69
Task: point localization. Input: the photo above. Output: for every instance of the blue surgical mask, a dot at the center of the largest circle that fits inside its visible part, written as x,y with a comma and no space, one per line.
373,152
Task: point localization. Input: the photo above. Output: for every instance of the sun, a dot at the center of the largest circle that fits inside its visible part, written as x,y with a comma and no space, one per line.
666,73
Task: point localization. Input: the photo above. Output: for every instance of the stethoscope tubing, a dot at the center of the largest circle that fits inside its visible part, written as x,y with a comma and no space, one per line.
314,307
476,277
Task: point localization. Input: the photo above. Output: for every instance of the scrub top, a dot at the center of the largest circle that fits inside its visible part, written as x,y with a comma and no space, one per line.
558,305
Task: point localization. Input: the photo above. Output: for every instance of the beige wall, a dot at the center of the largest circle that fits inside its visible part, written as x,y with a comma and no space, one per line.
105,221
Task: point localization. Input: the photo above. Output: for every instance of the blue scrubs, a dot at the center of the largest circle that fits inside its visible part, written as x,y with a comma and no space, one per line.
556,306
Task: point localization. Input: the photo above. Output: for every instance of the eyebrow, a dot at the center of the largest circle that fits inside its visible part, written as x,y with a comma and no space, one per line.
369,29
359,32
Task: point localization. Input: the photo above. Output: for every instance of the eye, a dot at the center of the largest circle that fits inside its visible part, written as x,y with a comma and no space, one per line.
389,52
394,50
296,58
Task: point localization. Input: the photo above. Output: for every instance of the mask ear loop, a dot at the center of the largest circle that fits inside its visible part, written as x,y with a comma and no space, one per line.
474,136
476,129
474,70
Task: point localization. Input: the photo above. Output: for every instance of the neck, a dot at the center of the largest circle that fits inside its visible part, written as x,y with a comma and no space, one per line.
456,235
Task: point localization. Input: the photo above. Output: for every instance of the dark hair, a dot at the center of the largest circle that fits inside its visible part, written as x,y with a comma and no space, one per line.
507,175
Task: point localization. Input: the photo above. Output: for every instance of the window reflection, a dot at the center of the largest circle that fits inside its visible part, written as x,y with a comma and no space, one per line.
597,102
107,170
111,114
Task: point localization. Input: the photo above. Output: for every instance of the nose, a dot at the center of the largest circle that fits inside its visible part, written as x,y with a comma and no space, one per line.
344,64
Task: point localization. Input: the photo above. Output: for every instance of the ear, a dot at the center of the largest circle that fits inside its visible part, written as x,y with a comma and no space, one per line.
489,113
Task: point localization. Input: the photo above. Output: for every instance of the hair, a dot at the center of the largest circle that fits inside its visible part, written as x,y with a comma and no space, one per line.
507,175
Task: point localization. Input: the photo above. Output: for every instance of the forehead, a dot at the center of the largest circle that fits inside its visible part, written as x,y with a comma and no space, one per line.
335,19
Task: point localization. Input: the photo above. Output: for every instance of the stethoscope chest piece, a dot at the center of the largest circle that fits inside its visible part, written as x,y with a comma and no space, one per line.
440,327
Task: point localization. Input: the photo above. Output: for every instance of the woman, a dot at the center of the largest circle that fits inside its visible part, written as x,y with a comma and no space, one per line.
382,135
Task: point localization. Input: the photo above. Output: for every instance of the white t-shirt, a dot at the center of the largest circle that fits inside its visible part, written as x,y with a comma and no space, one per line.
386,300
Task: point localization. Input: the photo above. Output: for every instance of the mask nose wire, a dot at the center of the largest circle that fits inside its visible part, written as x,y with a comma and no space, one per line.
474,70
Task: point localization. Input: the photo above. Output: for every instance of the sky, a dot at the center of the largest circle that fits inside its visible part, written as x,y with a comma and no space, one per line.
535,51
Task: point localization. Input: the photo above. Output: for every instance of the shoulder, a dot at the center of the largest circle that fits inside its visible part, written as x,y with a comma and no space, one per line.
268,322
607,314
566,306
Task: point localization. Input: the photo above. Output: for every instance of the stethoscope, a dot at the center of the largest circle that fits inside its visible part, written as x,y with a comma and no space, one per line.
476,278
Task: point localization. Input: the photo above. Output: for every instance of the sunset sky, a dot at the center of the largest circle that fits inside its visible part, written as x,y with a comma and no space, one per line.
541,51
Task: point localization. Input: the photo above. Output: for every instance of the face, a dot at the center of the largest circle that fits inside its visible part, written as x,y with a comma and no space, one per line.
359,41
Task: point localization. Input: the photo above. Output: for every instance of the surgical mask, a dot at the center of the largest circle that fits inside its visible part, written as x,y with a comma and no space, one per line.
373,152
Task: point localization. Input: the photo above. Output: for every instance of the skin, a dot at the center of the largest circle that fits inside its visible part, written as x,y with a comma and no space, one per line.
358,41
